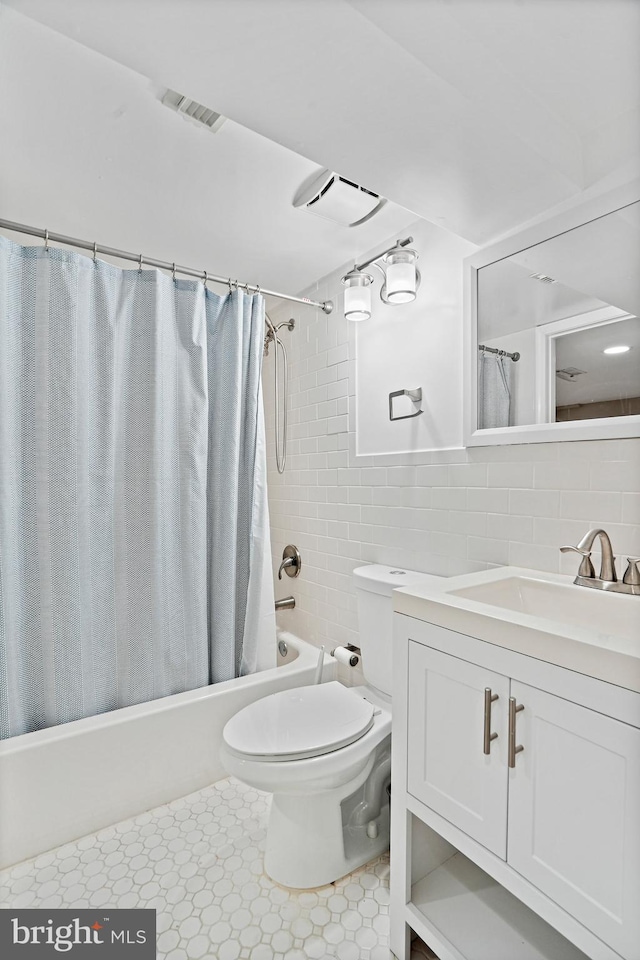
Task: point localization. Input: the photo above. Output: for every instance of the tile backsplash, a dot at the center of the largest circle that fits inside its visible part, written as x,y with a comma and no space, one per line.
445,512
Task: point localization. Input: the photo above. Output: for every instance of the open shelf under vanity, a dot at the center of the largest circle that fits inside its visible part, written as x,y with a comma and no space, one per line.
496,925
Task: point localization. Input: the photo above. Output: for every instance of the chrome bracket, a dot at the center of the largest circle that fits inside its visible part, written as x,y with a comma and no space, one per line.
414,395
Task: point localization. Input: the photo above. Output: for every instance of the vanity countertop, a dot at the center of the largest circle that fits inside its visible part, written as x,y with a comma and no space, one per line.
541,615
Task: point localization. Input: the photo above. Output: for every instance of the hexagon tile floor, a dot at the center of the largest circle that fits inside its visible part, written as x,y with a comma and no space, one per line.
198,862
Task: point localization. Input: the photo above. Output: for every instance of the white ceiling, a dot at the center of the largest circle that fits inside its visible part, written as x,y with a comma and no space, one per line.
606,376
89,151
594,265
474,114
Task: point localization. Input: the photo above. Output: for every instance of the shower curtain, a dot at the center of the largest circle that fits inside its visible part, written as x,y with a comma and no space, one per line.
131,486
494,391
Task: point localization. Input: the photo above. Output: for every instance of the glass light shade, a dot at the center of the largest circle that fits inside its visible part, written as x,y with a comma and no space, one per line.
357,296
401,277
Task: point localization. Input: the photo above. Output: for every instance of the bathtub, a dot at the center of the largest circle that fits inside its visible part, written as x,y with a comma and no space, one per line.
67,781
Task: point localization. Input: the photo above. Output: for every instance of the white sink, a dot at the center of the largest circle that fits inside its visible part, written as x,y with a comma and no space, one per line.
542,615
607,613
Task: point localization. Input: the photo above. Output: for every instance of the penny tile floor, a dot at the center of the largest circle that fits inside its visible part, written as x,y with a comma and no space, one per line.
198,862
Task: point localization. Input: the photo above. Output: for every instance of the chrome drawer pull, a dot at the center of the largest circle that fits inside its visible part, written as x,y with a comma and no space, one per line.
513,709
488,736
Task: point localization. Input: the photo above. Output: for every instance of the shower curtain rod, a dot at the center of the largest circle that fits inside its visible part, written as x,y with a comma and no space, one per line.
501,353
96,248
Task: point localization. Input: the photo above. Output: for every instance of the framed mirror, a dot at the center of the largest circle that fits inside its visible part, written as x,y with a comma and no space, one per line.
552,315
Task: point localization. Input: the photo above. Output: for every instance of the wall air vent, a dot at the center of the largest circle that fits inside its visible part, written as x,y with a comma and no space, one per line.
335,198
193,110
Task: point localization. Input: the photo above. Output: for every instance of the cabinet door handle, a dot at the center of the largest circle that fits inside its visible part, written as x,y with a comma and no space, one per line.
513,709
489,698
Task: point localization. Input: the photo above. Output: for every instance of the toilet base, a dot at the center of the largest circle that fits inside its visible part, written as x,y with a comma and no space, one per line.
308,845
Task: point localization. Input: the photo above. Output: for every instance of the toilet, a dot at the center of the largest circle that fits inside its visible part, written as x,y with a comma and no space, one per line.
324,752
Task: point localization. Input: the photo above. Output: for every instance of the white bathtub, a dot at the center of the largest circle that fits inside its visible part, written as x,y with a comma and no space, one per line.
67,781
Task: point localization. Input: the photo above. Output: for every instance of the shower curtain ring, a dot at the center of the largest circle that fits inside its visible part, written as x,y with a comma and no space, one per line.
140,264
173,273
95,251
46,240
204,277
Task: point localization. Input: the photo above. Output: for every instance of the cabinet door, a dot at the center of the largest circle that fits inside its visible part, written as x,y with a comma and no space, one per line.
574,802
447,767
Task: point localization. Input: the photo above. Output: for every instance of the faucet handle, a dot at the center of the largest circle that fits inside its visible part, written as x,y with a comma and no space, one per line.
291,561
586,567
632,573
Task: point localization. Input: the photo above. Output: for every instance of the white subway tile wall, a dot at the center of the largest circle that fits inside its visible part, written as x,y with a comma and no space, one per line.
445,512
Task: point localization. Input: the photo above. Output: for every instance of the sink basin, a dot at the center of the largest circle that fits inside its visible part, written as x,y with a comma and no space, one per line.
613,614
542,615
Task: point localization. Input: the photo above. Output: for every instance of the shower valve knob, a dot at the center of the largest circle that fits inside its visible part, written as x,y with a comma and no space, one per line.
291,562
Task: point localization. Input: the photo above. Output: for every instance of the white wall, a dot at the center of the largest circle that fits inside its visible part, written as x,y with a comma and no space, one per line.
446,512
417,344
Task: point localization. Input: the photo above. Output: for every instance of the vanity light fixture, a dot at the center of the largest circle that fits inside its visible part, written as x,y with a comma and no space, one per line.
401,280
622,348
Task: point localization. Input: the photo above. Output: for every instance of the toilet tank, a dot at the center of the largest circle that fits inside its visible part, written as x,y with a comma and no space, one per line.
373,585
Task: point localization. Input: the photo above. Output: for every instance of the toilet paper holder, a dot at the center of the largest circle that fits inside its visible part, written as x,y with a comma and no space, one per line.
348,654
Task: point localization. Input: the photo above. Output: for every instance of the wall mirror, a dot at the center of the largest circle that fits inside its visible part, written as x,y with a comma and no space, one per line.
552,346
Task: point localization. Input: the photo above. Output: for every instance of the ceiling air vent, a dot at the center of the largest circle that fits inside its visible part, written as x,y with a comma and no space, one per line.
193,110
542,277
569,373
334,198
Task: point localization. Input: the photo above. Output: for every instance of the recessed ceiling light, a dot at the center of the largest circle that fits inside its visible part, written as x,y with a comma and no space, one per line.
621,349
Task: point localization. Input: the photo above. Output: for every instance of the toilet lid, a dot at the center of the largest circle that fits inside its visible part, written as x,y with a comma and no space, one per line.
299,723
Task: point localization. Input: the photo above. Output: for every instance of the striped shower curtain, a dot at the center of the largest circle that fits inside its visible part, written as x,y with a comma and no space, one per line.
132,515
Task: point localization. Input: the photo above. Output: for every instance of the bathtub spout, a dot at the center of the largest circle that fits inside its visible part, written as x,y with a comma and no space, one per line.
374,790
287,603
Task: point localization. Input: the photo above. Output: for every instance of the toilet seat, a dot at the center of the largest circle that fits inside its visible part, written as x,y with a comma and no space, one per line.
299,723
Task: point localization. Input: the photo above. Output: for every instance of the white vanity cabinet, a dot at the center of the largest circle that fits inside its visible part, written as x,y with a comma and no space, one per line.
448,769
511,851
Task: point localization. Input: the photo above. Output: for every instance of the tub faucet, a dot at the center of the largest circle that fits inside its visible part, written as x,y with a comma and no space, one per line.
607,580
287,603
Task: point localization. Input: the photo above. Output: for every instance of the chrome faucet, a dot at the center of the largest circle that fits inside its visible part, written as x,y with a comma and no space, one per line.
607,579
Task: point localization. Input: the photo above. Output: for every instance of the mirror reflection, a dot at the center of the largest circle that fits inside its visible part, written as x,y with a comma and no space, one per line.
558,327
